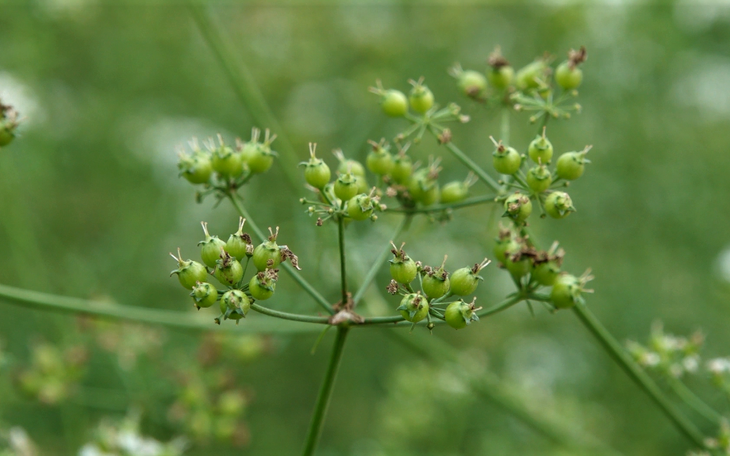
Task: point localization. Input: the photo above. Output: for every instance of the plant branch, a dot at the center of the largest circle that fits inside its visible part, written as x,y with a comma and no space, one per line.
306,286
469,163
289,316
378,263
474,201
325,392
691,399
617,352
107,310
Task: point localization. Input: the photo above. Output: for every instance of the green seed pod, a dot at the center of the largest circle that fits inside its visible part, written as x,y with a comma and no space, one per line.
211,247
571,165
360,207
414,307
558,205
459,314
436,282
239,243
539,178
421,97
346,186
506,160
228,270
234,305
204,295
457,191
423,186
402,168
379,161
263,157
402,268
545,273
464,281
568,76
505,242
500,74
518,207
471,83
189,272
316,172
263,284
348,165
196,168
394,103
267,255
532,75
541,149
566,291
515,262
249,149
226,161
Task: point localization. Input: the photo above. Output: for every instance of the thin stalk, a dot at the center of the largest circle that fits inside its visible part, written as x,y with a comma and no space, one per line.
691,399
107,310
238,204
469,163
289,316
325,392
504,125
475,201
378,263
617,352
343,260
506,304
244,85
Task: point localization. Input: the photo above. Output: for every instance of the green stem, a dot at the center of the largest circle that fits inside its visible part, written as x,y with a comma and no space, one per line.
691,399
506,304
343,261
469,163
378,263
289,316
441,207
617,352
244,85
325,392
169,318
238,204
504,125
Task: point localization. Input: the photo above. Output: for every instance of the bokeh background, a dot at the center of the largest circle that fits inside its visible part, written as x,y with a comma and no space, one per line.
91,204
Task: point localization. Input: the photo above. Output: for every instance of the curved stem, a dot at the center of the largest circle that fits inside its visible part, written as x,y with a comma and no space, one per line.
289,316
506,304
238,204
441,207
378,263
244,85
325,392
169,318
691,399
469,163
617,352
343,261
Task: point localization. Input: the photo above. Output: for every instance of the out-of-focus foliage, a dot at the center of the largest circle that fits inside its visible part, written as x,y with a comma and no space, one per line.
91,204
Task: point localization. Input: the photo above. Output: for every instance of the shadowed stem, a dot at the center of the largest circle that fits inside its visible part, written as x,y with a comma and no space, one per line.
325,392
691,399
343,261
617,352
238,204
378,263
170,318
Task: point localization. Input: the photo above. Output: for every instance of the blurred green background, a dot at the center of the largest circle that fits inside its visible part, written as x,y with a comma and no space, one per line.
91,204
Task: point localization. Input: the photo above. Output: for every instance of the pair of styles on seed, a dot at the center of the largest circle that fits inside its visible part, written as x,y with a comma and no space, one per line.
223,261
